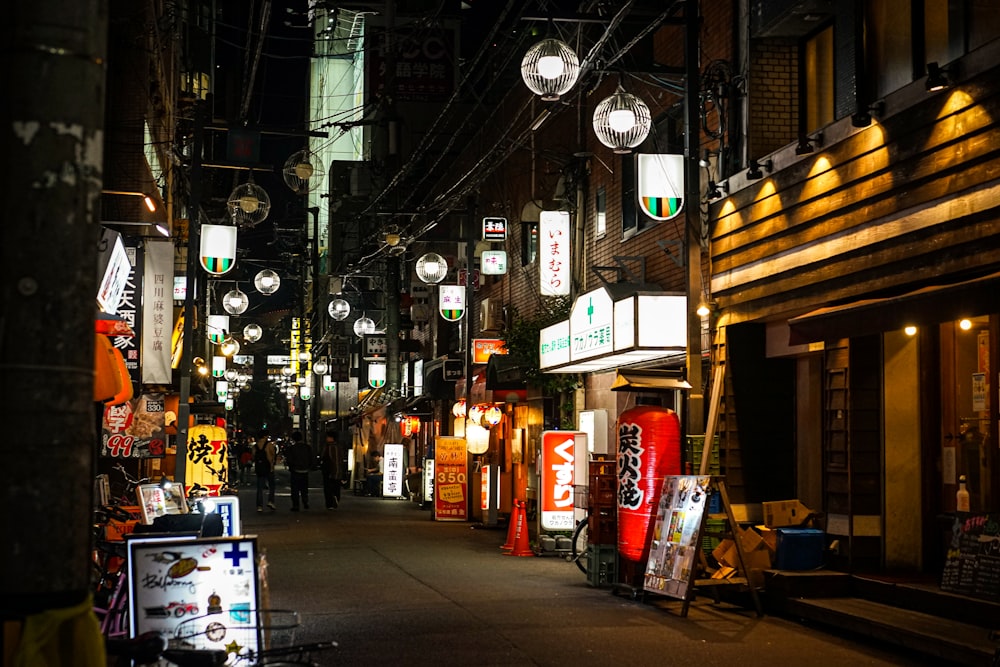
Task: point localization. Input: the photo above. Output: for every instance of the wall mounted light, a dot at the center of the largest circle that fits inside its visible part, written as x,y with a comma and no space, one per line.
146,199
716,190
622,121
863,116
808,144
550,68
756,170
937,78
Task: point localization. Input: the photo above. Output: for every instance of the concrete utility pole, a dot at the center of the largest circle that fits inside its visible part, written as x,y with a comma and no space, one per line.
52,72
695,416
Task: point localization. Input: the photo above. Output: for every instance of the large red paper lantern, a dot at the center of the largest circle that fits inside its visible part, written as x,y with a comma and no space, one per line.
649,449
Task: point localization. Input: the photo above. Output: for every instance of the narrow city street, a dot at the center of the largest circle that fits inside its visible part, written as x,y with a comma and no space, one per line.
391,586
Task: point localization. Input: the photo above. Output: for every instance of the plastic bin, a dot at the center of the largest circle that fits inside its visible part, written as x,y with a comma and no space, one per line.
800,549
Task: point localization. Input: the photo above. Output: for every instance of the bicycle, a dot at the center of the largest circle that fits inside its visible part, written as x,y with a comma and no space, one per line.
581,538
249,637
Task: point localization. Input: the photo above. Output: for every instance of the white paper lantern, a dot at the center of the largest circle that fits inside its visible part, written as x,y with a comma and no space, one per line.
550,69
622,121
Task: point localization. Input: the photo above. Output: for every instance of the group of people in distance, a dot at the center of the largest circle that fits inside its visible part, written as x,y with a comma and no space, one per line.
299,458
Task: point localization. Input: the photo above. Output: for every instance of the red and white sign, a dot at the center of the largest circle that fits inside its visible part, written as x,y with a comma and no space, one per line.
483,348
494,229
553,253
564,458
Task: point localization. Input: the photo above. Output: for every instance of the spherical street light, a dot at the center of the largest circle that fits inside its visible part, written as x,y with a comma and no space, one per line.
235,302
339,309
550,69
622,121
431,268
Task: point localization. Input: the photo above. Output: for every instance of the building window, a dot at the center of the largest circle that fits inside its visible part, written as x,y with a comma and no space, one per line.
529,242
816,72
601,219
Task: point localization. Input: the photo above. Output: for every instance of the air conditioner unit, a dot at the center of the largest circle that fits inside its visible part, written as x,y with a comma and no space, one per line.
490,315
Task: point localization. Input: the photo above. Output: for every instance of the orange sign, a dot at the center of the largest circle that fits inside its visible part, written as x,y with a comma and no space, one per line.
451,483
482,348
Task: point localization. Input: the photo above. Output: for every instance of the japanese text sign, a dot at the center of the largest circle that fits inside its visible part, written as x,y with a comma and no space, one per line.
554,253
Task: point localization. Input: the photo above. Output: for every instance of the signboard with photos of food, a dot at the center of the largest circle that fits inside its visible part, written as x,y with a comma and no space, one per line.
135,429
676,533
204,593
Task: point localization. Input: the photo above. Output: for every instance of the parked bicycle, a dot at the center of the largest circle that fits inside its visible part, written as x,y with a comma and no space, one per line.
579,553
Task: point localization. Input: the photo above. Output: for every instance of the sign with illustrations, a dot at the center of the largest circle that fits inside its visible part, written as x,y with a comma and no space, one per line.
676,535
204,592
134,429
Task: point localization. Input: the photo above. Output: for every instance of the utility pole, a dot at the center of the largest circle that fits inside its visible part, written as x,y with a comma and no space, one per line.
53,75
695,414
191,287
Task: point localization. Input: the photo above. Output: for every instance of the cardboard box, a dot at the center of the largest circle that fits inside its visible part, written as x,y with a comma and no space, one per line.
781,513
769,537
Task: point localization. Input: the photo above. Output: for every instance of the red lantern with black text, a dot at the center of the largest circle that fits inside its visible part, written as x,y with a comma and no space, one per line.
649,449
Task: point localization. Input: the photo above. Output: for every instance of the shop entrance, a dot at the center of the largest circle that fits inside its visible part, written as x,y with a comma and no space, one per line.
969,433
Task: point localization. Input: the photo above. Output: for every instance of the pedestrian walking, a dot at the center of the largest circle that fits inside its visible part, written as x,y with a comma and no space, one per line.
299,459
245,461
263,467
331,465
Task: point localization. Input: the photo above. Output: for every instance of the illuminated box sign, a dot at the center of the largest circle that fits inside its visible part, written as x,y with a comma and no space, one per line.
591,325
278,360
494,229
564,455
376,346
483,348
494,262
451,481
660,185
392,471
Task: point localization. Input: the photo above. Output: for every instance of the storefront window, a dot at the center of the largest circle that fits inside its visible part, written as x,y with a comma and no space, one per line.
969,447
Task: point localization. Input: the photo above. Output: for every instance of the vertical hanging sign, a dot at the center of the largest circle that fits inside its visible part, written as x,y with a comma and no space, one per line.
451,302
218,248
661,185
553,253
157,318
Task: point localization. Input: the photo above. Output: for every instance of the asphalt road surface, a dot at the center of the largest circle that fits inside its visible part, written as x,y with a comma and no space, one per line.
393,587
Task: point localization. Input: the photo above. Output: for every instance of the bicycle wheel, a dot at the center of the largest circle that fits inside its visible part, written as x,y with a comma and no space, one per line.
579,545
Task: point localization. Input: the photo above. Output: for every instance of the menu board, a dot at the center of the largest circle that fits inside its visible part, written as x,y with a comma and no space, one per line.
972,564
202,593
674,548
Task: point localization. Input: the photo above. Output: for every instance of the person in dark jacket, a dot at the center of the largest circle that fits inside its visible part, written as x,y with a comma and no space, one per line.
299,459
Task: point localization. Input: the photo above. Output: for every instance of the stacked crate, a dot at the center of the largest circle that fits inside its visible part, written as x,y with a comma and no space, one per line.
694,447
602,500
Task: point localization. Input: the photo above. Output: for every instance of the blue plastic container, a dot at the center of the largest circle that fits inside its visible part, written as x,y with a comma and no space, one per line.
800,549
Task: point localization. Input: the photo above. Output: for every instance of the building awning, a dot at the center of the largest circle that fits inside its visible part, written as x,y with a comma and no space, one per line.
648,380
504,373
928,306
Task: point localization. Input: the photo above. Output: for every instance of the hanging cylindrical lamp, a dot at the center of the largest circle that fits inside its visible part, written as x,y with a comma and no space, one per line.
248,204
339,309
431,267
252,333
235,302
622,121
328,383
477,437
550,69
476,414
305,389
267,282
218,248
218,366
458,409
217,327
221,390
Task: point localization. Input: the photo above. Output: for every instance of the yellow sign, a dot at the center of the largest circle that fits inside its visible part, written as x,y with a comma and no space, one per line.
206,459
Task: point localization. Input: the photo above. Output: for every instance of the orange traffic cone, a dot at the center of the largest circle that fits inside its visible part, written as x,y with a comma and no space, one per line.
521,546
512,526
